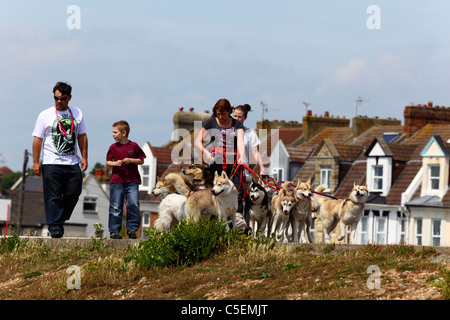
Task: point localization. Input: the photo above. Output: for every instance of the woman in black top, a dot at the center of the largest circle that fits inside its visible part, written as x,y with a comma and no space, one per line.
225,148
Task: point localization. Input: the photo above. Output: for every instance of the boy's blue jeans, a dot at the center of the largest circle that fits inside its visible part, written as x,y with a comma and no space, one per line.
120,191
62,188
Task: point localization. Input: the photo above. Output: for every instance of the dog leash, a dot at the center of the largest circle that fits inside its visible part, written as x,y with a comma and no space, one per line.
278,187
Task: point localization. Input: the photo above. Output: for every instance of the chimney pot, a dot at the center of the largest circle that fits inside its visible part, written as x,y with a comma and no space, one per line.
180,108
327,114
191,109
309,113
430,103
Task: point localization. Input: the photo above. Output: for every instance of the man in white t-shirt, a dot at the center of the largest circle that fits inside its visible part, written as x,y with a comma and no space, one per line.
57,131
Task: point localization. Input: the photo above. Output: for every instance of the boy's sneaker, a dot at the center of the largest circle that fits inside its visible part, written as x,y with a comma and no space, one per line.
115,235
132,235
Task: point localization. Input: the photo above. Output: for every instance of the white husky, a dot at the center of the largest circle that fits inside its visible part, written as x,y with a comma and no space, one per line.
220,200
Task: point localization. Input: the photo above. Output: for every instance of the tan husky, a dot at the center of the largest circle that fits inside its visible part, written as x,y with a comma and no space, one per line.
221,200
281,209
347,212
303,212
171,183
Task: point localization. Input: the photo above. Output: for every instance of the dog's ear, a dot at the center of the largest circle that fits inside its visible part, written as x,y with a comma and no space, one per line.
354,184
216,174
224,174
309,182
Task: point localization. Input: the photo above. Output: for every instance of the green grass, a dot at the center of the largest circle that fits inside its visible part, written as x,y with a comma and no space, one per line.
207,261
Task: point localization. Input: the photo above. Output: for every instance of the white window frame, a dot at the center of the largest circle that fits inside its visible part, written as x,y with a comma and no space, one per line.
383,232
436,236
431,178
377,177
145,176
418,234
325,173
279,172
402,230
364,233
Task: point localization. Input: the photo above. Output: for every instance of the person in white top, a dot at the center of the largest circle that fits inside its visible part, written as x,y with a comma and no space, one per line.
251,140
56,133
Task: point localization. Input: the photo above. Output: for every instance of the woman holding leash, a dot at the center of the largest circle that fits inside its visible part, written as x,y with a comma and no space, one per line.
226,148
251,140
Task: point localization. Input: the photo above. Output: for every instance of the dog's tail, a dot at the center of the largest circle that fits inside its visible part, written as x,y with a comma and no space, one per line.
319,199
287,184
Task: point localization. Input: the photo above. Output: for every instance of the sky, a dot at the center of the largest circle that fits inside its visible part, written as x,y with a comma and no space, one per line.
141,60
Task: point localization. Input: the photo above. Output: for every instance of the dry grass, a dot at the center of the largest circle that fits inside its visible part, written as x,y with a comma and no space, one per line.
33,271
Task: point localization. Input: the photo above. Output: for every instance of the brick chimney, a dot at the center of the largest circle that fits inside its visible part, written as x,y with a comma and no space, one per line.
418,116
185,119
314,124
361,124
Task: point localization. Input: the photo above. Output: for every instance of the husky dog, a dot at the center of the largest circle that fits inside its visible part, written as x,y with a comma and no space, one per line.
345,212
271,191
257,209
200,175
173,190
171,183
301,213
171,212
281,208
220,200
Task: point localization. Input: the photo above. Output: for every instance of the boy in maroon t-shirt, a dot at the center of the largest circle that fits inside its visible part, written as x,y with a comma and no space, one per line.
124,156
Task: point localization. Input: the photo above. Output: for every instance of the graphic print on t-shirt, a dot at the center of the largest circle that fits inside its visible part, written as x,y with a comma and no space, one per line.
64,143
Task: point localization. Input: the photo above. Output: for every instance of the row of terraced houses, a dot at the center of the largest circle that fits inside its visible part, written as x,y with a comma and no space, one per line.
405,167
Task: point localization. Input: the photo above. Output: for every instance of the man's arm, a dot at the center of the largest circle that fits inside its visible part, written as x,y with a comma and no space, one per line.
37,146
83,144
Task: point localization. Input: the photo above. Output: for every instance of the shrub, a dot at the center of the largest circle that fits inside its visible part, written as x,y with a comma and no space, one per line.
186,244
11,243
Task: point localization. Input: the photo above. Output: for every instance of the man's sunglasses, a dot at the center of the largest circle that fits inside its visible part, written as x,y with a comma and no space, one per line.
60,98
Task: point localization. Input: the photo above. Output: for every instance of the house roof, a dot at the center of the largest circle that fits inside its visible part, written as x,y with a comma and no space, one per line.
366,138
299,153
339,135
5,170
426,201
422,137
402,182
357,173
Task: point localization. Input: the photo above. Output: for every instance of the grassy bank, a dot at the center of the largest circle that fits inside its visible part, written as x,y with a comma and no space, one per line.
191,265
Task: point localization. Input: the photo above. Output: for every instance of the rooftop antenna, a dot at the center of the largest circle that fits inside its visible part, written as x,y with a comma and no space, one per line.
2,160
264,109
359,101
306,106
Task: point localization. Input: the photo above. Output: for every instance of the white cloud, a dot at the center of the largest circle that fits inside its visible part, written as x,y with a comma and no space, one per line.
351,72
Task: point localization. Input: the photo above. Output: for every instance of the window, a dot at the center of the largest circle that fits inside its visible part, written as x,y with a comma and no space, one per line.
434,177
90,204
145,175
436,232
403,229
390,136
377,177
380,231
325,175
419,227
146,219
364,230
278,172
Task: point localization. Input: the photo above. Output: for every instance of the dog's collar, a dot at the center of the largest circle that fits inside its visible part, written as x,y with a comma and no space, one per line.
354,202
